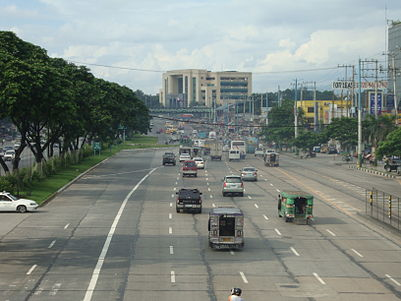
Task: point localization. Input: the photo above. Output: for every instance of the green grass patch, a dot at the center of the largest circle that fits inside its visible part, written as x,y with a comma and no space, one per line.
43,189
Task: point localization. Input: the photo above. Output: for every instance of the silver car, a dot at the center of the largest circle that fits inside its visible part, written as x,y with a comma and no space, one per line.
233,184
249,174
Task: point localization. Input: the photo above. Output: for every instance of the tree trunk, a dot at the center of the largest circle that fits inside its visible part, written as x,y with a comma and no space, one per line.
4,165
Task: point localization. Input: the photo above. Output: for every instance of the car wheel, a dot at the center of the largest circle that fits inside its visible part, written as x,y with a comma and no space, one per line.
288,219
224,194
21,209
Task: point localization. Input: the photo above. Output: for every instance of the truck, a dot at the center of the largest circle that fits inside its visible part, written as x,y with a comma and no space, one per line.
216,150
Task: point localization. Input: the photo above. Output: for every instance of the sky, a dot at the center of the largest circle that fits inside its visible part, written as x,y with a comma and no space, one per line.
277,40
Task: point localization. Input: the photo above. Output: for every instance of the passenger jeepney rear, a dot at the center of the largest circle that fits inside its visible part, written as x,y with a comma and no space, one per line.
226,228
295,206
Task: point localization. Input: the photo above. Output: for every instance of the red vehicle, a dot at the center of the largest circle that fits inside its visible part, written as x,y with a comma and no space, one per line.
189,168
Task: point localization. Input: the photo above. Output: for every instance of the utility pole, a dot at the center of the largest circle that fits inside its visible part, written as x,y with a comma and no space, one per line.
360,116
394,90
295,109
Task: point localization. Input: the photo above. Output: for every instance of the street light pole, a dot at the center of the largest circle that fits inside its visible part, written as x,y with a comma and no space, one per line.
359,117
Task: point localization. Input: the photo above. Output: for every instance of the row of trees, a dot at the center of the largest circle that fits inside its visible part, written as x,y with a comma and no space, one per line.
52,101
380,133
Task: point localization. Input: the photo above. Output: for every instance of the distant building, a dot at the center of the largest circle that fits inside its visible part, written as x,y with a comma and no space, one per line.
189,87
320,112
394,49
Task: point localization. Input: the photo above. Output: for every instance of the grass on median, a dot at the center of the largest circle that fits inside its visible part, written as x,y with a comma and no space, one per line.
43,189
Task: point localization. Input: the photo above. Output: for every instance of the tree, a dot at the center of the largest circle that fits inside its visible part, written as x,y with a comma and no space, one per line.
306,140
345,130
375,130
391,146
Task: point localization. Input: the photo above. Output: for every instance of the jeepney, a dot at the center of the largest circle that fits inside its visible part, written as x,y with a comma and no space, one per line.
295,206
271,159
226,228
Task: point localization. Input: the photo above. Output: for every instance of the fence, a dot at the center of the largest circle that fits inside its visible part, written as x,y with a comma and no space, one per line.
383,207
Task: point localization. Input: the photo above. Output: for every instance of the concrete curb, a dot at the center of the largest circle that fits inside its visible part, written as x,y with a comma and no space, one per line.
376,172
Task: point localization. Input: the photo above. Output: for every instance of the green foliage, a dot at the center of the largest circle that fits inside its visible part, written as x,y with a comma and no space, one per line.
345,130
306,140
375,130
391,146
8,184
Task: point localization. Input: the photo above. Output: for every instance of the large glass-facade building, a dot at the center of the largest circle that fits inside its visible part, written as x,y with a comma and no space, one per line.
394,50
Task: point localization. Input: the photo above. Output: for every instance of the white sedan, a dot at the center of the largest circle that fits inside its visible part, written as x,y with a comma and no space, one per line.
200,163
9,202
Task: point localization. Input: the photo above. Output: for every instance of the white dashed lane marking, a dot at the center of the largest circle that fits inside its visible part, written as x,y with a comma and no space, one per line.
278,190
271,184
256,206
277,231
393,280
319,279
66,226
171,204
214,205
357,253
51,244
171,250
31,269
243,277
294,251
170,230
232,252
331,232
249,197
265,217
172,276
170,216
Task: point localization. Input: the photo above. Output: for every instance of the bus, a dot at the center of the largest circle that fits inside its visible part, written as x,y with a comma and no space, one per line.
240,145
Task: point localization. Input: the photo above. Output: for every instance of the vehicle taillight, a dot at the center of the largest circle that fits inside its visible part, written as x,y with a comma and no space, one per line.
224,184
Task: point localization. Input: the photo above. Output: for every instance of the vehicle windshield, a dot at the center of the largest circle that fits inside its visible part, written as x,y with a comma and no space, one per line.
198,159
14,198
233,180
249,169
189,164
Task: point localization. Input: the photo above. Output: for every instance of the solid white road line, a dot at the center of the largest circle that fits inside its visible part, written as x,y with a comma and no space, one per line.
294,251
170,230
171,250
243,277
277,231
249,197
51,244
172,276
265,217
319,279
357,253
331,233
256,205
102,256
31,269
232,252
392,279
66,226
171,204
170,216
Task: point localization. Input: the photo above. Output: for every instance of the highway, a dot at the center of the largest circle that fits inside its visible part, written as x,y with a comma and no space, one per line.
115,235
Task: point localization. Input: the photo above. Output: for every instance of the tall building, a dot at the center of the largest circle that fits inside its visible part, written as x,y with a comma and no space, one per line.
394,50
184,88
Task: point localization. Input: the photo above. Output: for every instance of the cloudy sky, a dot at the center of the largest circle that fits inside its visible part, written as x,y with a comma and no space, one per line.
275,39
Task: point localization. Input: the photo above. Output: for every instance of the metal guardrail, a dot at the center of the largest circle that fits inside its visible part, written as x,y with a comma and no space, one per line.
383,207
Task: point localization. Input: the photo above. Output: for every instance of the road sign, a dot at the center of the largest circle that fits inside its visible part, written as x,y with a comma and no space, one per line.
97,146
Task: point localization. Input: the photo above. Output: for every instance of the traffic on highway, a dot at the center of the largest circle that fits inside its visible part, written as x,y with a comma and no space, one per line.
174,224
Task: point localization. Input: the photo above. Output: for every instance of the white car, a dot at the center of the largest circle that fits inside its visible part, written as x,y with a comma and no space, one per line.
9,202
184,157
9,155
200,163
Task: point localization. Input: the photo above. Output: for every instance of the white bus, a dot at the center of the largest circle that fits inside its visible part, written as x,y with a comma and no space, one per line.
240,145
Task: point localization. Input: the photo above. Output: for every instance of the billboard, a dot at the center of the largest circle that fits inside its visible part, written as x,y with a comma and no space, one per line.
372,98
347,84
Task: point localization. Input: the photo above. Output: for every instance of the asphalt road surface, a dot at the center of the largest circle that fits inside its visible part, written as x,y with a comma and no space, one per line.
115,235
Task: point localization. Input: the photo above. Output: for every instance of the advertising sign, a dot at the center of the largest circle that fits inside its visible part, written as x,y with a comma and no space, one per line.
346,84
372,102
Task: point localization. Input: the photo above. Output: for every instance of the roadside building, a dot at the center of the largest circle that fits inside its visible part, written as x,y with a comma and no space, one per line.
191,87
319,112
394,50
